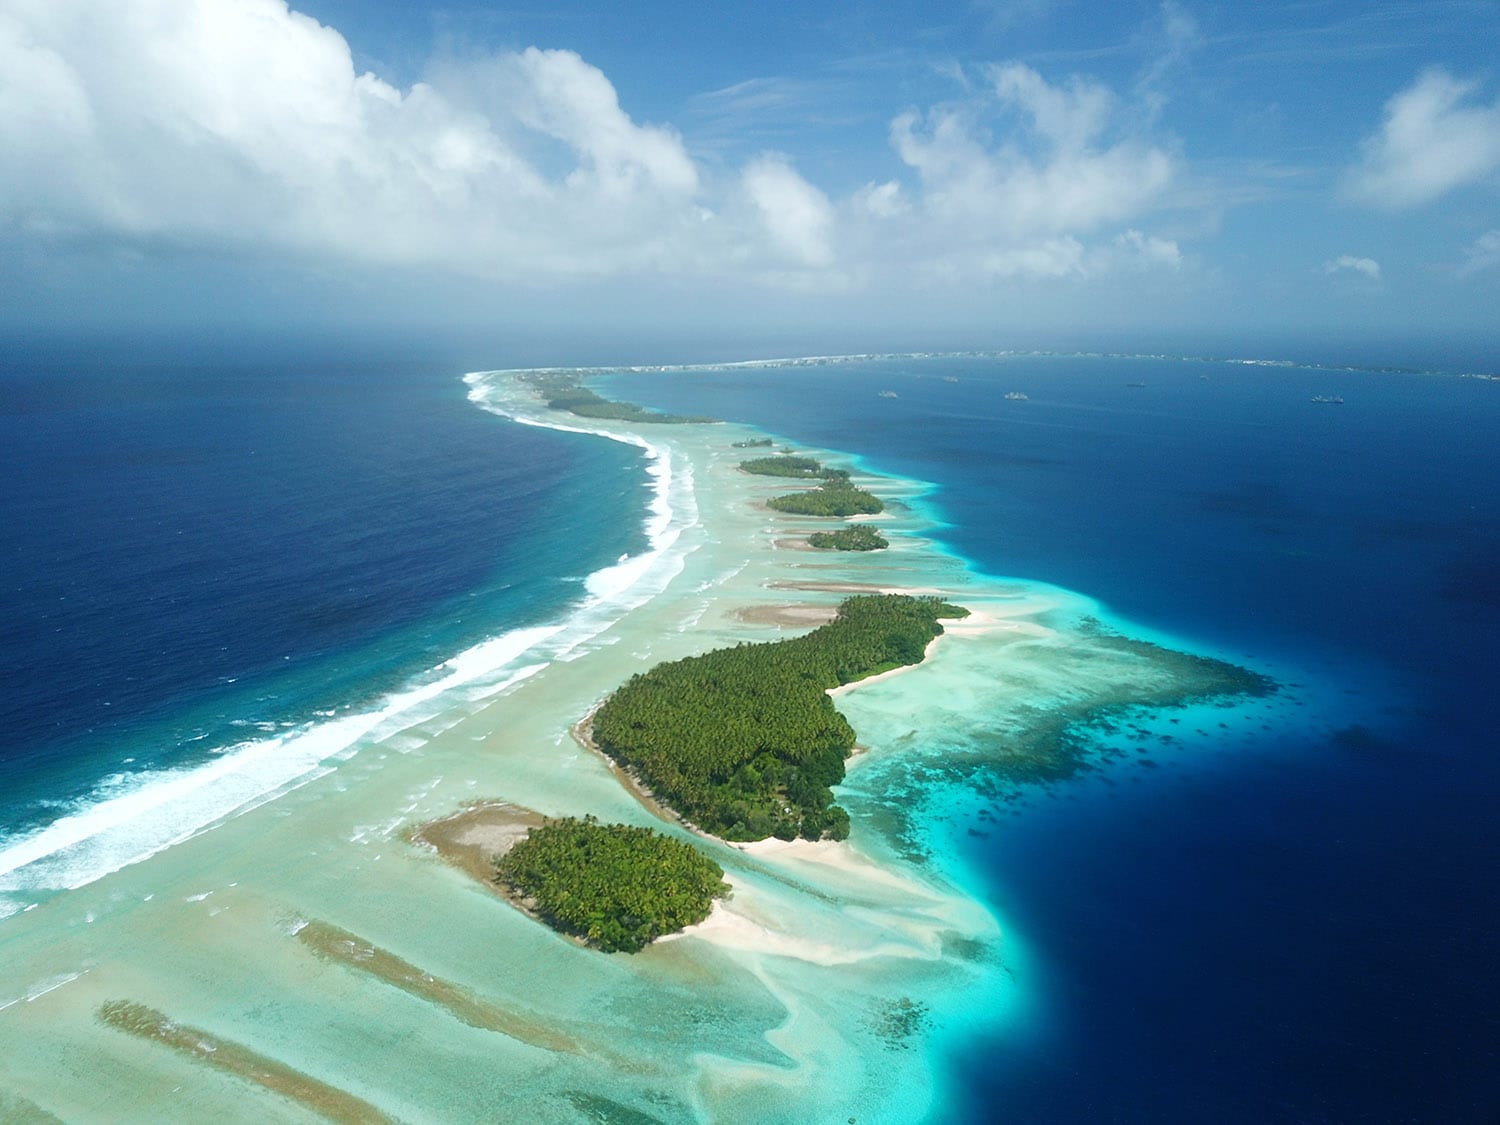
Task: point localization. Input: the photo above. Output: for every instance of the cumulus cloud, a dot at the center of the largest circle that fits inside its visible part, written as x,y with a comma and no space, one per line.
1369,267
1052,175
1067,257
1436,137
1482,253
795,215
242,126
242,121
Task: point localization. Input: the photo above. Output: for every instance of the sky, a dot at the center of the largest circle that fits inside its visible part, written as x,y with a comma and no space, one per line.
980,172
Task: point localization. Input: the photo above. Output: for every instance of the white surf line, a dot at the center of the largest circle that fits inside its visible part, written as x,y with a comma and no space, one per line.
166,807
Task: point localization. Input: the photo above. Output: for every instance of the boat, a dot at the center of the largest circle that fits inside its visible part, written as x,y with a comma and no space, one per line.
1337,400
1017,396
950,378
887,394
1135,384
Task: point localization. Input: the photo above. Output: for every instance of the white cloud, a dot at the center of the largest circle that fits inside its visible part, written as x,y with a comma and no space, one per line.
1068,257
1350,264
1050,177
1482,253
1436,137
1145,250
1177,37
241,122
797,216
242,127
885,200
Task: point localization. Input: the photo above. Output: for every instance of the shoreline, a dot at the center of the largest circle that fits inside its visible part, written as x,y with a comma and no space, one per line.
261,770
200,931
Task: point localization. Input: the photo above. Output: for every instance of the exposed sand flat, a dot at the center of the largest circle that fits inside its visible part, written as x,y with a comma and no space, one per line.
852,587
792,616
473,838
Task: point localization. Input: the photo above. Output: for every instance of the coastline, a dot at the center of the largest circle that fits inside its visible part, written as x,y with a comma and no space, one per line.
198,929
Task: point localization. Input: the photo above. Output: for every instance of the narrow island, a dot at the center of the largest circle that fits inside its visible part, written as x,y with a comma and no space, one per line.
786,465
745,743
615,886
856,537
742,743
564,391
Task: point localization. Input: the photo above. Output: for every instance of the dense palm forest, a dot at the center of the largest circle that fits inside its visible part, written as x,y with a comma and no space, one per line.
788,466
834,497
563,391
745,742
616,886
859,537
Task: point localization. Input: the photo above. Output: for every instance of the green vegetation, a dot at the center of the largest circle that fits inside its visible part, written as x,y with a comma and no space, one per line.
757,443
616,886
859,537
803,468
834,497
745,741
783,466
563,391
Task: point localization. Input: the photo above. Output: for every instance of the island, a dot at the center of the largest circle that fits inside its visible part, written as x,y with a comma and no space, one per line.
564,391
614,886
789,466
745,743
834,497
857,537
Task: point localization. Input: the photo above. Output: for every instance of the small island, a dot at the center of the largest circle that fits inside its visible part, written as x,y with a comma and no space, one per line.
615,886
836,497
857,537
745,742
805,468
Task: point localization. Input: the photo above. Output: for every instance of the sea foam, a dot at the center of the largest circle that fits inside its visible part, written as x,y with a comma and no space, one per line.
135,816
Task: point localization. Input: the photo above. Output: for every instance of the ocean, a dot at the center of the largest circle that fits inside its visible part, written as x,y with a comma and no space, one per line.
210,556
1302,927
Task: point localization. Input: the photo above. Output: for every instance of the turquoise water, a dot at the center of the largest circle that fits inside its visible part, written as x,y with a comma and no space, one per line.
1246,915
1250,926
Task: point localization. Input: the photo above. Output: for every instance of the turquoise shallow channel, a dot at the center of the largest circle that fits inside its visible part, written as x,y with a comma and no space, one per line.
305,953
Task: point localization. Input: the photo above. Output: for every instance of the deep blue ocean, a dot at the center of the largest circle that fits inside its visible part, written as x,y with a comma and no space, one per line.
204,543
1306,929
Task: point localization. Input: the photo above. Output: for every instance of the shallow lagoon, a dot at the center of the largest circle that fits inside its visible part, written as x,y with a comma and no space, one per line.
853,988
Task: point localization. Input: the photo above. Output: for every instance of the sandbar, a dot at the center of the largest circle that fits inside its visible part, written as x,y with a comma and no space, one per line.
794,616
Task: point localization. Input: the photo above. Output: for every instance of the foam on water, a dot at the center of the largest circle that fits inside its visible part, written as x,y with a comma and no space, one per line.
130,817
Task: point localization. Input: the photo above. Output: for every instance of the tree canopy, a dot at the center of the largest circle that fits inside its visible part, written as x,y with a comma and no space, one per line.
745,742
563,391
616,886
834,497
858,537
790,466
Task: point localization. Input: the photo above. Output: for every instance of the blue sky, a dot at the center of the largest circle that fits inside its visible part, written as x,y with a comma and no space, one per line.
990,171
